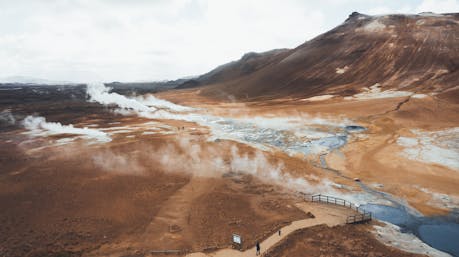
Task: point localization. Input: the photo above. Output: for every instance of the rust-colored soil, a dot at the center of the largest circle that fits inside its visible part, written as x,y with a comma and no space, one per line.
354,240
61,201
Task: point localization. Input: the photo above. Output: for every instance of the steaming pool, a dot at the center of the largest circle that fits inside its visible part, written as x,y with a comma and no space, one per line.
298,139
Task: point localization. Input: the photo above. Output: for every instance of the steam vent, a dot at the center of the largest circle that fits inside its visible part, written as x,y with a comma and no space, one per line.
337,142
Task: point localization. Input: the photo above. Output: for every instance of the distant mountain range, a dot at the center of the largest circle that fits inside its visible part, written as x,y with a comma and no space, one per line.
32,80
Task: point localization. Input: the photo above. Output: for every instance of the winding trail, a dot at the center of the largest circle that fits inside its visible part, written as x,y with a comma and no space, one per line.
331,215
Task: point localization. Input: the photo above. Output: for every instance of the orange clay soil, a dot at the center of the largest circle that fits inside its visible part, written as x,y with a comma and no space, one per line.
376,158
335,241
115,198
143,192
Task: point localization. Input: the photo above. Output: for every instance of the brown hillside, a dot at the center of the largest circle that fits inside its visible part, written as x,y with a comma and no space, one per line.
414,52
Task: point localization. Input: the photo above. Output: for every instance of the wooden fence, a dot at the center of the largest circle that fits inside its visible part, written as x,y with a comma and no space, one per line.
361,216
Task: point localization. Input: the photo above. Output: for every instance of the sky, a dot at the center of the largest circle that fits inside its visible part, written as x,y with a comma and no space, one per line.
145,40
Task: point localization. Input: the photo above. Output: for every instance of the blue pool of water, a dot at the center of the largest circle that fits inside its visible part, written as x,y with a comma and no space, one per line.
355,128
440,232
443,236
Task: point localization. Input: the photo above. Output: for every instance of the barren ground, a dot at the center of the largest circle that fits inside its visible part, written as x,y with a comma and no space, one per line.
155,191
337,241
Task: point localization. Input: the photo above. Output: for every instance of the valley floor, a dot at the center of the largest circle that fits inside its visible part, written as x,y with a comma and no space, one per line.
129,182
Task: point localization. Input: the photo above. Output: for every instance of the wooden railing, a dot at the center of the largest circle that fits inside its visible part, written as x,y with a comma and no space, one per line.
361,215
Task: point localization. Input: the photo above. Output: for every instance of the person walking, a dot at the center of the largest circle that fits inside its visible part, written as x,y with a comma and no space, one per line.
258,248
279,232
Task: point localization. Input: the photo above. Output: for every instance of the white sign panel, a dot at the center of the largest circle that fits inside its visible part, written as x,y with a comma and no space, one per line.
237,239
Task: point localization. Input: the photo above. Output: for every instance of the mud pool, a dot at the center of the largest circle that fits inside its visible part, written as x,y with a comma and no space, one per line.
301,139
441,232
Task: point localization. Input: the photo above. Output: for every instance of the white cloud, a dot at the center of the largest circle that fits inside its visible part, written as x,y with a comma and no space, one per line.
93,40
378,10
438,6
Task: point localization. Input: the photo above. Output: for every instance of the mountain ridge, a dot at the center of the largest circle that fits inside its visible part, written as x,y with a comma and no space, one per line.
416,52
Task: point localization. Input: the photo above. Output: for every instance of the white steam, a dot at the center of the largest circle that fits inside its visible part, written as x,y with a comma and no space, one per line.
191,158
38,126
209,161
118,163
150,100
101,94
260,167
300,134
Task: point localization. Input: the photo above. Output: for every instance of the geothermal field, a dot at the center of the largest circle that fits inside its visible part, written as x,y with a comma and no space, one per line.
178,168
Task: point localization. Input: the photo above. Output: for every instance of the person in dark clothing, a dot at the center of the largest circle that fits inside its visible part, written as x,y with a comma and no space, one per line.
279,232
258,248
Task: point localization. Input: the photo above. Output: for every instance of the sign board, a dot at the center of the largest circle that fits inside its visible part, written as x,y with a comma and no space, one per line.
237,239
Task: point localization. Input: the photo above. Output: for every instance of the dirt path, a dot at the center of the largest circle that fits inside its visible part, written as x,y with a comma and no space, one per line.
330,215
171,216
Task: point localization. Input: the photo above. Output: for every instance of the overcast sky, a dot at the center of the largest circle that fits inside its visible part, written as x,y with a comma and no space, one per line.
138,40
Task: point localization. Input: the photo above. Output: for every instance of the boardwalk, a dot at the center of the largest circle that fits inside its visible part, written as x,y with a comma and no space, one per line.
330,215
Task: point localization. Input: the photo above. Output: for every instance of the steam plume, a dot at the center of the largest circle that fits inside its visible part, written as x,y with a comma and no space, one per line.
39,125
101,94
